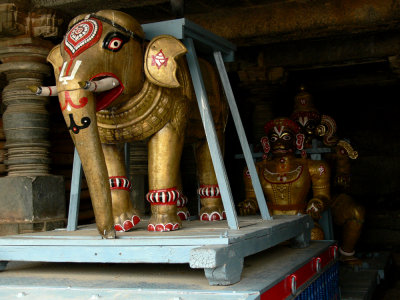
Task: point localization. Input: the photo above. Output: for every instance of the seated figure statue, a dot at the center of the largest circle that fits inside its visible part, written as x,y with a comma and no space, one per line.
286,179
346,212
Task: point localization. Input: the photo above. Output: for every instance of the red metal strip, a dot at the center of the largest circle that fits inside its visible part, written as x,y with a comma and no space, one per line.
292,282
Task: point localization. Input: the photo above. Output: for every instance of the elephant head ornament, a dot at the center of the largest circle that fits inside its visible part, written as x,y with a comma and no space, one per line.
114,87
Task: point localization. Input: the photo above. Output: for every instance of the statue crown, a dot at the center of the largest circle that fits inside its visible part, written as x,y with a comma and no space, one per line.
279,122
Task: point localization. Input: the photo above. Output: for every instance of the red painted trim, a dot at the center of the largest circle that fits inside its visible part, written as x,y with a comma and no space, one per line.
162,203
83,101
104,99
86,45
120,188
69,65
283,289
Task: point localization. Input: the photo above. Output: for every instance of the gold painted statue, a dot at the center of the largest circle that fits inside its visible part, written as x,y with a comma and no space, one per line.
113,88
286,179
345,211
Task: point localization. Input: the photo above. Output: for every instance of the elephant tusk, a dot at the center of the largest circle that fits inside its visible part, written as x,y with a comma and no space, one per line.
43,90
100,85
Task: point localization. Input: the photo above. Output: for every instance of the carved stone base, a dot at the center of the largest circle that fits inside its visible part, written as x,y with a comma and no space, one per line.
18,228
31,200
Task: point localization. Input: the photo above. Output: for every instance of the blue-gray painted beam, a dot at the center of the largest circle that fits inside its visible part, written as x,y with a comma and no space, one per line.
213,143
327,224
98,254
262,272
262,204
183,28
226,274
199,248
75,193
3,265
212,256
195,233
217,250
255,155
157,292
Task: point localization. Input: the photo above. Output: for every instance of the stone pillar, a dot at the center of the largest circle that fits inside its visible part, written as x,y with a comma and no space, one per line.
25,119
30,198
2,136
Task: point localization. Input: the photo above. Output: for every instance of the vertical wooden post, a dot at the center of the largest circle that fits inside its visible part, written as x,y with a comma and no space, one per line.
262,204
211,135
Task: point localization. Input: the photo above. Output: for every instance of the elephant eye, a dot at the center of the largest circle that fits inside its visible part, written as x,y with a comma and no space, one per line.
114,41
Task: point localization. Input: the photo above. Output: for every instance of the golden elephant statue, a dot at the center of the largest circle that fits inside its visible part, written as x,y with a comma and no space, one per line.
114,87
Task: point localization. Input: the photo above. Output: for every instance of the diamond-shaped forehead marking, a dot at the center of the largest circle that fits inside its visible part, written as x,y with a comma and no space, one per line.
82,36
79,31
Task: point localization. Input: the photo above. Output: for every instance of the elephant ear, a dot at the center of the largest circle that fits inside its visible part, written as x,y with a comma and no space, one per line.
160,64
55,59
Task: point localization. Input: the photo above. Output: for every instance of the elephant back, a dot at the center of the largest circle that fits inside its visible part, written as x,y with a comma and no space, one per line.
154,106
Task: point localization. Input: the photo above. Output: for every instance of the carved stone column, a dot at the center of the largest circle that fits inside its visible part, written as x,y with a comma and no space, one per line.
26,121
30,198
2,136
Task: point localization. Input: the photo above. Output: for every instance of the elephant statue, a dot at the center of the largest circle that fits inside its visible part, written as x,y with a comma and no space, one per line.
115,87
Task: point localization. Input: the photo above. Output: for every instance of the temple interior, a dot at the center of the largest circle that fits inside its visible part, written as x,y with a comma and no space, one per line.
344,53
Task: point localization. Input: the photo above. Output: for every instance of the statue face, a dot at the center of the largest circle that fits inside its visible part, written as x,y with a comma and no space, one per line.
282,140
308,127
96,48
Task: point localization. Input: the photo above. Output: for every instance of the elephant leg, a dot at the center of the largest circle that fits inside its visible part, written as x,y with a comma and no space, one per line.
183,212
125,216
165,149
212,208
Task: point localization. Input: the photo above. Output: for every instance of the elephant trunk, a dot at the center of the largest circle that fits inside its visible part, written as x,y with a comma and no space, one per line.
79,110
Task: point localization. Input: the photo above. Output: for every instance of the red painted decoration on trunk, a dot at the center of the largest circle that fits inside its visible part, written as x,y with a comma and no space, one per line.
68,102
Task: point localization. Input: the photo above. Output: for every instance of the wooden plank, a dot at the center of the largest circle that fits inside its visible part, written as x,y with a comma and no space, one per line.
74,198
183,28
211,135
92,254
154,281
215,255
262,204
61,292
205,245
200,232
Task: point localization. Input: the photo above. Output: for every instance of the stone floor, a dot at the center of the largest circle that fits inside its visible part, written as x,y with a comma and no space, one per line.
376,279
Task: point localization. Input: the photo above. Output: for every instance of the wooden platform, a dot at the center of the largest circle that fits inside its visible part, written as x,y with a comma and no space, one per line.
206,245
261,272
